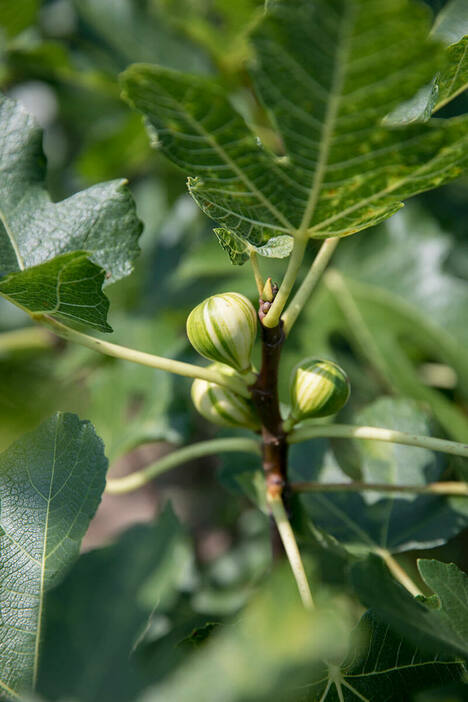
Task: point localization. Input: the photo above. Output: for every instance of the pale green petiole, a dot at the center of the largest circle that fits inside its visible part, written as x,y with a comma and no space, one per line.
189,370
274,313
351,431
309,283
134,481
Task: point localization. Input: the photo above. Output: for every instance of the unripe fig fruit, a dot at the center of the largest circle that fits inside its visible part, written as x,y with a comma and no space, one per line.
318,388
222,406
222,328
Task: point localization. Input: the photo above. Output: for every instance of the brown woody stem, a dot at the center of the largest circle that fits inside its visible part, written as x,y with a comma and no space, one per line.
265,397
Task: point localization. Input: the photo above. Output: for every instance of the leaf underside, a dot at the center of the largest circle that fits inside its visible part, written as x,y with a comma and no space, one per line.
328,73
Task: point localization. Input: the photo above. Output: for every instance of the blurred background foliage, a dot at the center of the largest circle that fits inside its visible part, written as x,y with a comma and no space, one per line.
403,285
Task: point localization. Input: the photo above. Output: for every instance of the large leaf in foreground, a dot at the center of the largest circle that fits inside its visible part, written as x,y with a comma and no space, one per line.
328,72
439,627
387,667
97,614
267,654
373,521
34,231
50,486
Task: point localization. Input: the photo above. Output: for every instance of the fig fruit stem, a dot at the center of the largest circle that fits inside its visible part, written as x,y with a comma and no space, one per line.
134,481
189,370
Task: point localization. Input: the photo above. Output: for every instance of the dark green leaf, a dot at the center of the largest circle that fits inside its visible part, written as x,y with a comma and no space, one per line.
383,666
50,486
34,230
97,616
68,287
437,629
370,521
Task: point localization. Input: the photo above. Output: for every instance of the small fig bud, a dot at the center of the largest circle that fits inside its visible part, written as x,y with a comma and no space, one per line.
318,388
222,406
223,328
267,293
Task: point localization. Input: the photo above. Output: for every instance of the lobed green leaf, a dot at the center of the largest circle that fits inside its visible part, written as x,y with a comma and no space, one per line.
51,483
42,266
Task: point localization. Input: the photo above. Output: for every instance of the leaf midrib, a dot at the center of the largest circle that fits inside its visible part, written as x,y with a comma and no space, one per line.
14,245
338,77
44,559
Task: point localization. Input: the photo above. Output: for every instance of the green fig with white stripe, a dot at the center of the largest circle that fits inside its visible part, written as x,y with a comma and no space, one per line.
318,388
222,406
222,328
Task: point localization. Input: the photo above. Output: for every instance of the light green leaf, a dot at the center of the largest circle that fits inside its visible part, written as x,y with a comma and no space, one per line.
239,249
68,287
328,72
51,483
109,598
383,666
139,31
34,230
439,627
14,17
394,464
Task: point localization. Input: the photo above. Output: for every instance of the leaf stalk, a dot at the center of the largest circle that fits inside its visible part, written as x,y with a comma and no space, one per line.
310,282
189,370
442,488
134,481
274,314
351,431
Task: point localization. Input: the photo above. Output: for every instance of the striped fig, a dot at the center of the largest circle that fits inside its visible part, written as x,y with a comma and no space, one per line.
318,388
222,328
222,406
